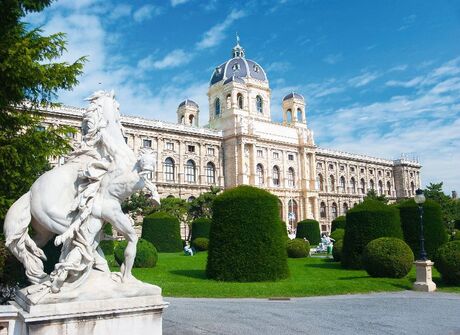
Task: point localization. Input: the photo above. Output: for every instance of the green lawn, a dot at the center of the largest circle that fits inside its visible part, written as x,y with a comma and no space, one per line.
182,276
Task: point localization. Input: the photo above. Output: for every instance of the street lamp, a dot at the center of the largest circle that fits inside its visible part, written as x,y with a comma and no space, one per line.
419,200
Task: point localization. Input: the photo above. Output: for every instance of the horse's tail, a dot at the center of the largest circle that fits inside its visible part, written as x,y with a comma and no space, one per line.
16,225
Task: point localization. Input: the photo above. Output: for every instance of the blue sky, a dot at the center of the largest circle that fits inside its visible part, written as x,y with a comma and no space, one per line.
380,77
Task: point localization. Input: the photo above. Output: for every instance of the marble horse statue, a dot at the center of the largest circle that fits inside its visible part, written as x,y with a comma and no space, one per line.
75,200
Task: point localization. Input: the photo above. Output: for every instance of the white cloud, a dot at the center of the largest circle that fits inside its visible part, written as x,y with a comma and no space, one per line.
173,59
146,12
333,58
121,10
216,34
278,67
363,79
410,83
175,3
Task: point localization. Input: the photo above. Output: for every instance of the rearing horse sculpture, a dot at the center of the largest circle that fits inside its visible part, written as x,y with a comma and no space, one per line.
74,200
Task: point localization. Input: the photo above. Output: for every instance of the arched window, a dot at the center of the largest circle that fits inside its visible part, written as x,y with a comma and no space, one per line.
320,182
362,186
217,107
334,210
239,99
182,120
331,183
299,115
259,104
276,176
322,210
412,188
210,173
190,171
289,116
291,177
190,199
345,208
371,184
169,169
260,174
353,185
342,184
190,119
388,188
380,187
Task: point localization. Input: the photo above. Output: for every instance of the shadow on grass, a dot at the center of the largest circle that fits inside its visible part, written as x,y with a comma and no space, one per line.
197,274
326,265
353,278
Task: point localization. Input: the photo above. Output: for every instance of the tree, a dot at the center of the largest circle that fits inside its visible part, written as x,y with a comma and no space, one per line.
30,78
138,204
372,195
201,207
176,207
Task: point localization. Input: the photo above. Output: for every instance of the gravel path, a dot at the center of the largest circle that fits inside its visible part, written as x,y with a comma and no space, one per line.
406,312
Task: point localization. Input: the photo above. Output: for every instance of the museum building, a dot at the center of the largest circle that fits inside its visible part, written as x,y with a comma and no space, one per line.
242,145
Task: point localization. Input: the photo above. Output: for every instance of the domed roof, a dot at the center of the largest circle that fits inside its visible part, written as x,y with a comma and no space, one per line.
293,95
238,67
188,102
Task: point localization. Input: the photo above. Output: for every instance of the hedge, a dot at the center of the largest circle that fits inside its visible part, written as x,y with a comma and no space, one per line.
433,227
338,234
367,221
298,248
447,262
337,250
146,254
107,246
201,243
200,228
163,231
338,223
309,229
246,243
388,257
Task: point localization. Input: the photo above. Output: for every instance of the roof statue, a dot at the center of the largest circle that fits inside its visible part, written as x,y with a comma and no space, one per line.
74,200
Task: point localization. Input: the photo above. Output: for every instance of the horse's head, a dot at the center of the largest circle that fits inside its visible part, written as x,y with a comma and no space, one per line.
105,104
147,161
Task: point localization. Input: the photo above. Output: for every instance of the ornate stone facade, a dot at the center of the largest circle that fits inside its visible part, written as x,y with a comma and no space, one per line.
242,145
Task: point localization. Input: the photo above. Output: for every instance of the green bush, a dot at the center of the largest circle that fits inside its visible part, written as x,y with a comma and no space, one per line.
447,262
107,246
146,254
163,231
456,236
201,243
309,229
298,248
200,228
338,234
246,241
388,257
337,250
433,227
367,221
457,224
338,223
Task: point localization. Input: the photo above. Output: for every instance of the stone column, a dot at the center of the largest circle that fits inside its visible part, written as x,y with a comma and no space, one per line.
424,280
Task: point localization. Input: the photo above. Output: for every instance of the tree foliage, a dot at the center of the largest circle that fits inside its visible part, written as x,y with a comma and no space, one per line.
138,204
372,195
30,77
201,207
450,208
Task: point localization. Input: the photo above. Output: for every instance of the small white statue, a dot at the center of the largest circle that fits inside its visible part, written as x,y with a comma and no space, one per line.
74,200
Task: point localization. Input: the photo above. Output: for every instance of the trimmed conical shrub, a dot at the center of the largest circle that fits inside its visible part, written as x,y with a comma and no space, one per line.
365,222
309,229
246,243
433,228
163,231
338,223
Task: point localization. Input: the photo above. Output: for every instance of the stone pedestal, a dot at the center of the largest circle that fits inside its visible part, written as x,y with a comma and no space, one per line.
100,306
424,280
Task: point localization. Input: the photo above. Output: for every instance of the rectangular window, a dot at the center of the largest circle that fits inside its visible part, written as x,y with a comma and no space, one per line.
70,135
169,146
276,155
126,139
211,151
352,169
147,143
291,157
260,153
191,148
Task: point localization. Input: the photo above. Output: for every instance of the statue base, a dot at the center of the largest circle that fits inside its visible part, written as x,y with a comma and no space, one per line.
93,308
424,281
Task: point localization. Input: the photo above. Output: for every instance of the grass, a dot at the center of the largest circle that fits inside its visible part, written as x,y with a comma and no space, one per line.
184,276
